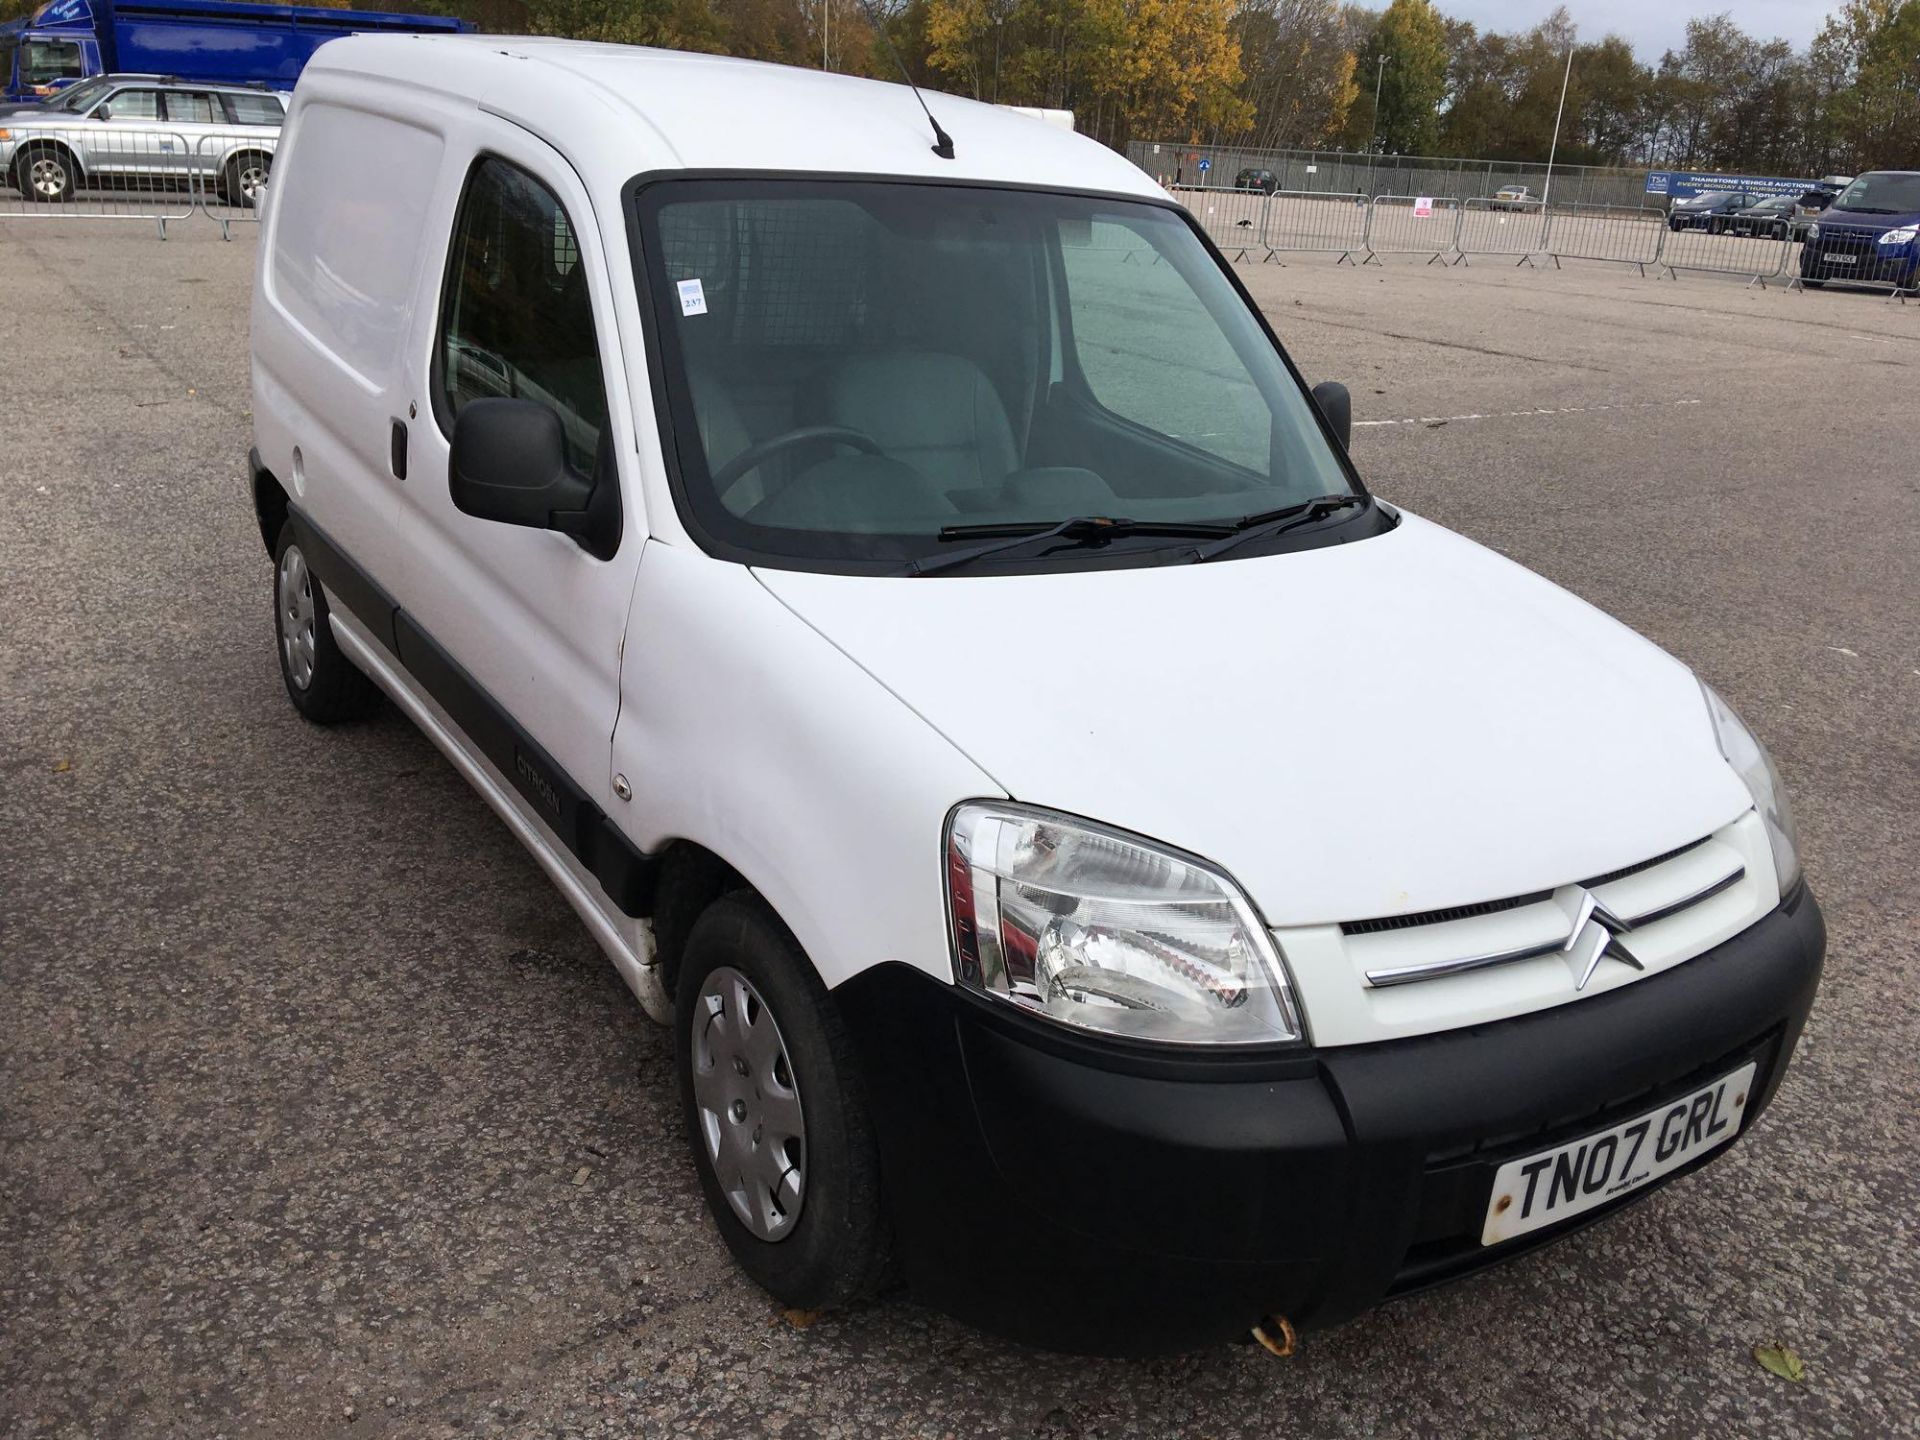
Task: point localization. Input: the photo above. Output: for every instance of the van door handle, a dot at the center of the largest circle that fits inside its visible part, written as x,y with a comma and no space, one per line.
397,453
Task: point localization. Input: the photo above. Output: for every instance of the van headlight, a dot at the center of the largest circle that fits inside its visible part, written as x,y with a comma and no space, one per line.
1903,236
1109,932
1813,231
1752,764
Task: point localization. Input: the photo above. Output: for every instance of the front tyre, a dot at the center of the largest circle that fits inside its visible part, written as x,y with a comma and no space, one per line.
45,174
775,1111
323,684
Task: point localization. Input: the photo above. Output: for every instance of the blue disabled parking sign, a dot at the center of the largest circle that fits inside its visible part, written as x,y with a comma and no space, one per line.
1205,165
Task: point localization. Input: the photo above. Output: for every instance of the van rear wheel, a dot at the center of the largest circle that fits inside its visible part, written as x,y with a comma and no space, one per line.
775,1111
323,684
45,174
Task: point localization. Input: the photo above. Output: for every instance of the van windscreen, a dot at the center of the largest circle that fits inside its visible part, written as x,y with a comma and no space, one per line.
862,370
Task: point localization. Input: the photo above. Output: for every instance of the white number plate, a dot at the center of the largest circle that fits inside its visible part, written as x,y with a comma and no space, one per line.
1557,1184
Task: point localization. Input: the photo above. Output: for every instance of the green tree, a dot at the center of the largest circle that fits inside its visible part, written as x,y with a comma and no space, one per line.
1412,40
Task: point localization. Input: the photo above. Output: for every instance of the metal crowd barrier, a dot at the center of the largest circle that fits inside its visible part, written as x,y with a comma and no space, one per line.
1233,218
1620,234
1722,252
1426,225
1313,220
230,178
96,172
1492,226
100,172
1854,257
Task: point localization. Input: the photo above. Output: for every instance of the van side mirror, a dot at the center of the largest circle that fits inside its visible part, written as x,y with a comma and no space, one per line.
1337,405
105,112
508,462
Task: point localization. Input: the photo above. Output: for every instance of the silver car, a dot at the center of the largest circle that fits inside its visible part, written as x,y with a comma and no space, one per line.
148,133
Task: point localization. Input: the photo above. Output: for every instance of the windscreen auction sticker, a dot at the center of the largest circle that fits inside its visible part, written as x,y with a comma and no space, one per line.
693,299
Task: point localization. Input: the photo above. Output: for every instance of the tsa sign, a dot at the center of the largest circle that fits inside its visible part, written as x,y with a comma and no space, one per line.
1423,207
1658,182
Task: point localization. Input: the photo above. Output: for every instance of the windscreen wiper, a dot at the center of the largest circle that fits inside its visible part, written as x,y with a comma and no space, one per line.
1076,530
1277,522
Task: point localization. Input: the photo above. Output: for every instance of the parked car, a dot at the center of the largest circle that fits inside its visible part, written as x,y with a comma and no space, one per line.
1869,235
1262,180
135,131
1708,210
1514,197
78,96
1089,848
1774,218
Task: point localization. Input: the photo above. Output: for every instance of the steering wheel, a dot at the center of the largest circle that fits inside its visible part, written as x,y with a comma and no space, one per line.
765,450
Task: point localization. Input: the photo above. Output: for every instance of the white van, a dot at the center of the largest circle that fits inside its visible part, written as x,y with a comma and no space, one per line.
1097,859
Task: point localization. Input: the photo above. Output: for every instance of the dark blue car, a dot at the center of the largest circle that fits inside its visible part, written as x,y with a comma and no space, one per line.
1870,235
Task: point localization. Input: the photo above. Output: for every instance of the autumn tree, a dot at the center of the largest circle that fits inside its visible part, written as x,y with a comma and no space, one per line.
1298,63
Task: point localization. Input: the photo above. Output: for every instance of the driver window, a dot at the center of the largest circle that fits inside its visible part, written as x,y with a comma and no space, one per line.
516,320
44,61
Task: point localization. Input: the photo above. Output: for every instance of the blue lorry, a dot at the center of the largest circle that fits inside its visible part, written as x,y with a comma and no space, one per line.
69,40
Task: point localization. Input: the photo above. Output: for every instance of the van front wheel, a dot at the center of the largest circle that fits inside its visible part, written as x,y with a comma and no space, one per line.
775,1111
323,684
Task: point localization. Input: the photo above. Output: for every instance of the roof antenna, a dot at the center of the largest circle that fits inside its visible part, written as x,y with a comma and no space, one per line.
942,142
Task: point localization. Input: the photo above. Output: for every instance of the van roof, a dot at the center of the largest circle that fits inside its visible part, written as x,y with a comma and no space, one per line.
619,110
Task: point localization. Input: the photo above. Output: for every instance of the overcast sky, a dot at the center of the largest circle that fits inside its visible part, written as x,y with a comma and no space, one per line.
1653,26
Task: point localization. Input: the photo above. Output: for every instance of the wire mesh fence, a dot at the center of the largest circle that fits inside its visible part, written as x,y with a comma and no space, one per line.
1347,172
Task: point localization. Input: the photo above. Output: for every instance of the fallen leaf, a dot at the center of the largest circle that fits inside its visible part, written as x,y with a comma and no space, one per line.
61,767
800,1319
581,1176
1781,1361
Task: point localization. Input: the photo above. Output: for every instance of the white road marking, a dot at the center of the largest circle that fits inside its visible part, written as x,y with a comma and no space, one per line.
1523,414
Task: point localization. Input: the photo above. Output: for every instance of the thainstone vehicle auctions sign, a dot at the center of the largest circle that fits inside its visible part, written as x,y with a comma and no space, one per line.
1685,184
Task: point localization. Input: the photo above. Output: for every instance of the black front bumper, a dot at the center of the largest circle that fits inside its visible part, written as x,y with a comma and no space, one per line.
1085,1197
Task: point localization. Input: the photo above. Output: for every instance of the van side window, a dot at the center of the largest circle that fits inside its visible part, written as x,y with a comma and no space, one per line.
516,320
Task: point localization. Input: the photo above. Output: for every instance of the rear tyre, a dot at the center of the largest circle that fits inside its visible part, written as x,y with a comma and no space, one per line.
244,180
45,174
323,684
775,1110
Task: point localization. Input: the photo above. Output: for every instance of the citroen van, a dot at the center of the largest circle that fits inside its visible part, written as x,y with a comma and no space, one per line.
1101,864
